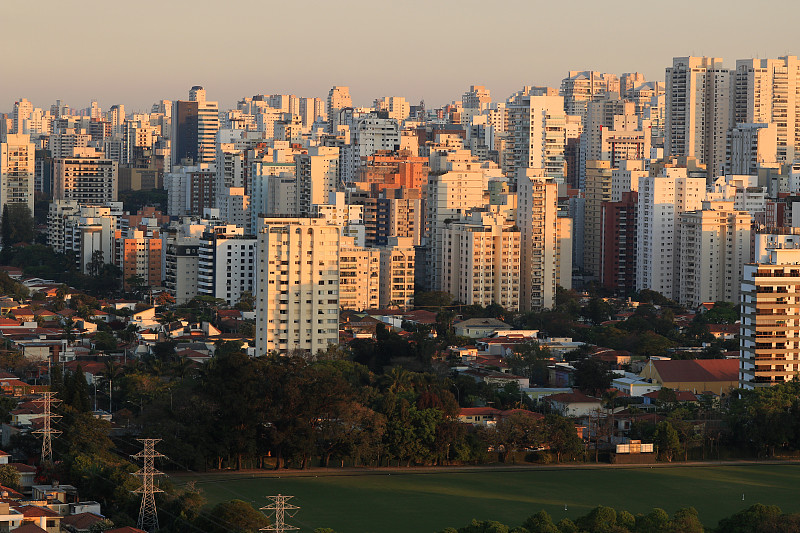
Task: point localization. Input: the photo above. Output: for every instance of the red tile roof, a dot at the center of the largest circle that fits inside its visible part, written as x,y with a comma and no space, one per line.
81,520
572,397
29,511
29,528
680,395
695,370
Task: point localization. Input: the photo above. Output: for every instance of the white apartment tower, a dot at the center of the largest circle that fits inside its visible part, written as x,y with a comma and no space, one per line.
768,90
227,262
298,285
17,171
317,176
450,195
581,87
714,247
538,127
338,99
661,200
699,100
537,200
750,146
85,177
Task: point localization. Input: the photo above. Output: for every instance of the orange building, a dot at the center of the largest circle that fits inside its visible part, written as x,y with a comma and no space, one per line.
139,254
392,170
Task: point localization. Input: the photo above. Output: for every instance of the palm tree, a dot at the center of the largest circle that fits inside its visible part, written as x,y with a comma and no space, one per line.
610,399
398,379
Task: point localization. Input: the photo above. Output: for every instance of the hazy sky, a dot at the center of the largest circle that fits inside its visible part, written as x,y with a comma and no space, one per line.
139,51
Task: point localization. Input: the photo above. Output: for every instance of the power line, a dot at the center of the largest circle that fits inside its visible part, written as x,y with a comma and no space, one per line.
279,508
148,515
48,400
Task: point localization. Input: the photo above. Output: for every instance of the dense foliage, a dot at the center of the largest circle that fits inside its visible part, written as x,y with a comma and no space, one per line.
755,519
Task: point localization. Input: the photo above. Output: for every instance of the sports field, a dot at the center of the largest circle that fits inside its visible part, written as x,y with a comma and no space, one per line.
412,501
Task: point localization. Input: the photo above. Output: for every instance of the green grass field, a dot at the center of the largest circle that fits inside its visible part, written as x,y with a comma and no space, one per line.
428,502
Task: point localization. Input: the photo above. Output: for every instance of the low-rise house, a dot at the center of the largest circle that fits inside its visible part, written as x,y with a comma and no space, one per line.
81,522
42,517
633,385
574,404
725,332
561,375
681,396
493,377
477,328
489,416
719,376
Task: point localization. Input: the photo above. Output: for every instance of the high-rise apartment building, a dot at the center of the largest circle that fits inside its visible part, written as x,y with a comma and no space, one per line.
598,191
195,124
85,177
714,245
538,125
770,322
478,97
619,243
452,191
397,267
298,285
317,176
338,99
17,171
359,275
481,260
537,200
699,110
750,146
768,90
661,200
227,263
581,87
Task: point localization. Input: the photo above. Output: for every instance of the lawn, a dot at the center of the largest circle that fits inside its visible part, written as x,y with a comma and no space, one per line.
428,502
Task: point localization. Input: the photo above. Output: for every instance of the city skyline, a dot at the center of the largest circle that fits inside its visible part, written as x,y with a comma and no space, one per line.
347,44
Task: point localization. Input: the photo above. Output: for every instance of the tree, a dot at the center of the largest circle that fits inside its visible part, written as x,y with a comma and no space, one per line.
104,341
686,520
233,516
530,360
17,224
78,391
95,266
9,477
518,432
750,519
562,437
592,376
600,519
246,301
103,525
667,440
541,522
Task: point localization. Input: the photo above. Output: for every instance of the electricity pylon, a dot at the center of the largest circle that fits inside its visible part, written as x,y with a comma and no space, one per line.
278,509
148,515
48,400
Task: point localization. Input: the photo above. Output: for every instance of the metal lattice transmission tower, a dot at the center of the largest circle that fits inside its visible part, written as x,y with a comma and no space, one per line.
279,509
48,400
148,515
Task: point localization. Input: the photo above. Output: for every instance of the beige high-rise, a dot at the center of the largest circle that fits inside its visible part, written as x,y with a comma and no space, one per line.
537,220
297,285
768,90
